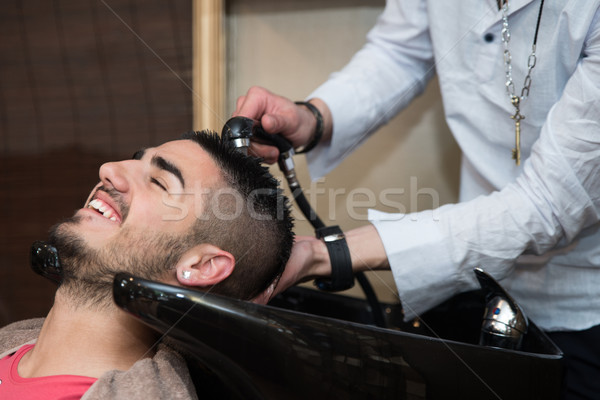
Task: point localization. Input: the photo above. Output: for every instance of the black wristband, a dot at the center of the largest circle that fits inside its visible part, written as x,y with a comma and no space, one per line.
342,276
318,129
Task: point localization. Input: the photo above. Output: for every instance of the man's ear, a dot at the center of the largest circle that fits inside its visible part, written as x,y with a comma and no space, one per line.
204,265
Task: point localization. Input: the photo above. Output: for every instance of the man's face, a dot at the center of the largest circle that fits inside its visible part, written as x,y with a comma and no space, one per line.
136,218
159,191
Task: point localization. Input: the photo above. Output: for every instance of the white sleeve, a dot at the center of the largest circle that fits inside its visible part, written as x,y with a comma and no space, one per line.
381,79
432,253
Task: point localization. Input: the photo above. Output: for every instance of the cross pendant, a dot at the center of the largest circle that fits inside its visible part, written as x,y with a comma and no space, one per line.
516,152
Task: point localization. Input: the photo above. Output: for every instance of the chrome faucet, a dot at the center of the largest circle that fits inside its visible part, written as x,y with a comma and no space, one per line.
504,323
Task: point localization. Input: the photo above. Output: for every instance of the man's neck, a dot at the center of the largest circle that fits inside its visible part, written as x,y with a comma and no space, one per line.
87,342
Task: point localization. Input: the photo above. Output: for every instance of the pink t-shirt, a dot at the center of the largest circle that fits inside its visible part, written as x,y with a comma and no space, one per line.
55,387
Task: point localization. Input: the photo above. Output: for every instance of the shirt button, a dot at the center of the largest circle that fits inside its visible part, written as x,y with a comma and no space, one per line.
488,37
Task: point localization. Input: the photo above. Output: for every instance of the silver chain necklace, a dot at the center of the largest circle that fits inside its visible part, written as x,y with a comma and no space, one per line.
510,86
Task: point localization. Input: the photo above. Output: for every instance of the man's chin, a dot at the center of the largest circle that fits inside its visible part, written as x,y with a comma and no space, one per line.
90,269
66,225
69,242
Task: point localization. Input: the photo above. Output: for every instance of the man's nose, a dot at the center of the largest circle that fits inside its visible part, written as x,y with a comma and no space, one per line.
117,174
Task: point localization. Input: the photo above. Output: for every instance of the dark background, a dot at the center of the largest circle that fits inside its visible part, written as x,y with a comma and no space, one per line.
78,88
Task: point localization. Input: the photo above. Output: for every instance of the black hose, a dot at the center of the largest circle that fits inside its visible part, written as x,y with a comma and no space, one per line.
376,309
245,128
306,209
315,221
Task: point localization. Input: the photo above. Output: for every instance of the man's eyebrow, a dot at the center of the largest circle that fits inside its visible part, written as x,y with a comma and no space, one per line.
138,154
165,165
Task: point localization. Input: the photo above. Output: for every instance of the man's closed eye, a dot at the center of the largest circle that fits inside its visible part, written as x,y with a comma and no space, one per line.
157,183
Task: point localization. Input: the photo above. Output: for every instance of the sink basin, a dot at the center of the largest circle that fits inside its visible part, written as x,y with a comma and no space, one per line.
314,345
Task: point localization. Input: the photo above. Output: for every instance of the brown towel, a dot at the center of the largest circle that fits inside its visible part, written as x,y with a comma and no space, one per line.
17,334
164,376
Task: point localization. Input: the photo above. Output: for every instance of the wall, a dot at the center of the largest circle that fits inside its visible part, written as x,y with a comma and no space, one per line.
290,47
81,83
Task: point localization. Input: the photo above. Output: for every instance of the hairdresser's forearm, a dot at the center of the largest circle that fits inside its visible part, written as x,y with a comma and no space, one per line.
366,251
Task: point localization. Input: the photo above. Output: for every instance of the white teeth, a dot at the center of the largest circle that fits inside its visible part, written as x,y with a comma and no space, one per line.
104,209
95,204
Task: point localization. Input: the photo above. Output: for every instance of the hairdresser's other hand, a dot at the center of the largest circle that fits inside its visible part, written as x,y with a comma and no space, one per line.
279,115
309,260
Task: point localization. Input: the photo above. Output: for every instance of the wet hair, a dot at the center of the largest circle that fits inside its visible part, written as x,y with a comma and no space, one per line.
248,216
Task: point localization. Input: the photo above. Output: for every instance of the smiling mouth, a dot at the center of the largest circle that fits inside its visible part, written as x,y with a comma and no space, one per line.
104,209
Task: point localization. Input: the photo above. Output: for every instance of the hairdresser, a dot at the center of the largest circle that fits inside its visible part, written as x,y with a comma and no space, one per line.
521,89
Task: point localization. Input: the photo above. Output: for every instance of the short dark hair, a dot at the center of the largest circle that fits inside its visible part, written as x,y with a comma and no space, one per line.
259,234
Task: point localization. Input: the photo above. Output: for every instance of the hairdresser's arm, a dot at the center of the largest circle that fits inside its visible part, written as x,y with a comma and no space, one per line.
310,259
280,115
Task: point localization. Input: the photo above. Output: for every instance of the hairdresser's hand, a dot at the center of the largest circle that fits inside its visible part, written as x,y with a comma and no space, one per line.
309,260
279,115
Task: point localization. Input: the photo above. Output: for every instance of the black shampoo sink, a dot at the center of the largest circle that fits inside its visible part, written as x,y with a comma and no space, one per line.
314,345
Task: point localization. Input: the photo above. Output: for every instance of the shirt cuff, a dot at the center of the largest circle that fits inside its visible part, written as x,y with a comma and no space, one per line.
420,258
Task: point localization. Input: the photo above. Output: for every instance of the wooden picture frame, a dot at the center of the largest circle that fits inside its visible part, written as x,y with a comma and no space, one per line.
208,70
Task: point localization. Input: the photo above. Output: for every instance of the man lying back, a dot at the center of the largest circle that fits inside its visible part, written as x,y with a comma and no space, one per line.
191,212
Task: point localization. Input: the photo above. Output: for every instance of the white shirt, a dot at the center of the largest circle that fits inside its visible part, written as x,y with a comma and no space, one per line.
534,227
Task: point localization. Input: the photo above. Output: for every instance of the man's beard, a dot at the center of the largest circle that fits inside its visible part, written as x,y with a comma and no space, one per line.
88,273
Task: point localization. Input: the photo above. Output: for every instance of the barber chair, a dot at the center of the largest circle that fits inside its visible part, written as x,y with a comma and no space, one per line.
318,345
